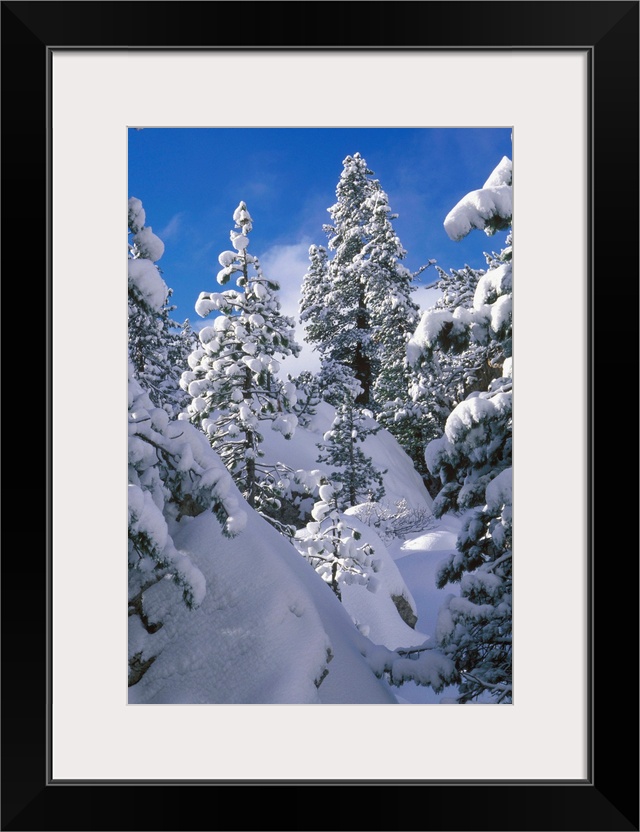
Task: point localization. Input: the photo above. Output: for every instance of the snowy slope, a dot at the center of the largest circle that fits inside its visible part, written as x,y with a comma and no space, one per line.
268,623
401,479
261,634
417,559
375,613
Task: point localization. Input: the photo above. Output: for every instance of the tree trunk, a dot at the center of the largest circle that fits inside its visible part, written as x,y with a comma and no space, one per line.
361,361
249,441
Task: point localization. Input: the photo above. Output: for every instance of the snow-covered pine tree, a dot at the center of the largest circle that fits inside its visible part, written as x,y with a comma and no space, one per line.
414,421
308,396
188,343
394,314
357,306
473,460
336,382
157,348
473,368
172,473
233,378
341,447
314,311
333,548
441,378
482,327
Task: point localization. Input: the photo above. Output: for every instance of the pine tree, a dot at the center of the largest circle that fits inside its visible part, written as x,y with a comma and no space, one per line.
394,314
233,378
332,547
315,313
440,378
341,447
173,473
337,382
156,346
472,369
473,459
414,421
357,306
308,396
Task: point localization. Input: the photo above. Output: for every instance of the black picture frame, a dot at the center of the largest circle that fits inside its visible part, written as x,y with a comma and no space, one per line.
608,799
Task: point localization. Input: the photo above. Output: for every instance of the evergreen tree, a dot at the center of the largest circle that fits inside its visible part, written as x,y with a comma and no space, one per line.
315,314
156,347
173,472
473,460
472,369
394,314
188,342
332,547
341,447
308,396
357,306
414,421
440,378
337,382
233,378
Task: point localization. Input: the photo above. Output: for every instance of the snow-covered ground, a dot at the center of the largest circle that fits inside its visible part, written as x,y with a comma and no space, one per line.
269,629
417,559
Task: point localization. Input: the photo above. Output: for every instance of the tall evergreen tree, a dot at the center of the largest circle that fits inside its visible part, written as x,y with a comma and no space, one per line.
357,306
473,459
233,378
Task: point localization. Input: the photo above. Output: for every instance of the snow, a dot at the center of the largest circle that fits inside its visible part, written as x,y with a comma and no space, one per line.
145,278
151,247
226,258
474,412
276,622
242,217
501,313
427,331
223,276
499,490
476,208
379,614
229,608
137,214
145,517
501,175
204,304
495,282
239,242
278,626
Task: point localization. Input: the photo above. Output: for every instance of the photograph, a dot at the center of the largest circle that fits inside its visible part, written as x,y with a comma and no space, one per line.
328,467
320,415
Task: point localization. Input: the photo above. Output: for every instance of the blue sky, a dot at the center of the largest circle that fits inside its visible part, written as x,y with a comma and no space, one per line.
190,181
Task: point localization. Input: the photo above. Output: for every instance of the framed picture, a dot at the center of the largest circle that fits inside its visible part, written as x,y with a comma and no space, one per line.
564,76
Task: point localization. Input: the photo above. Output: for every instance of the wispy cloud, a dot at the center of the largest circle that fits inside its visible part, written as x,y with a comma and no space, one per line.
426,297
170,231
288,264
